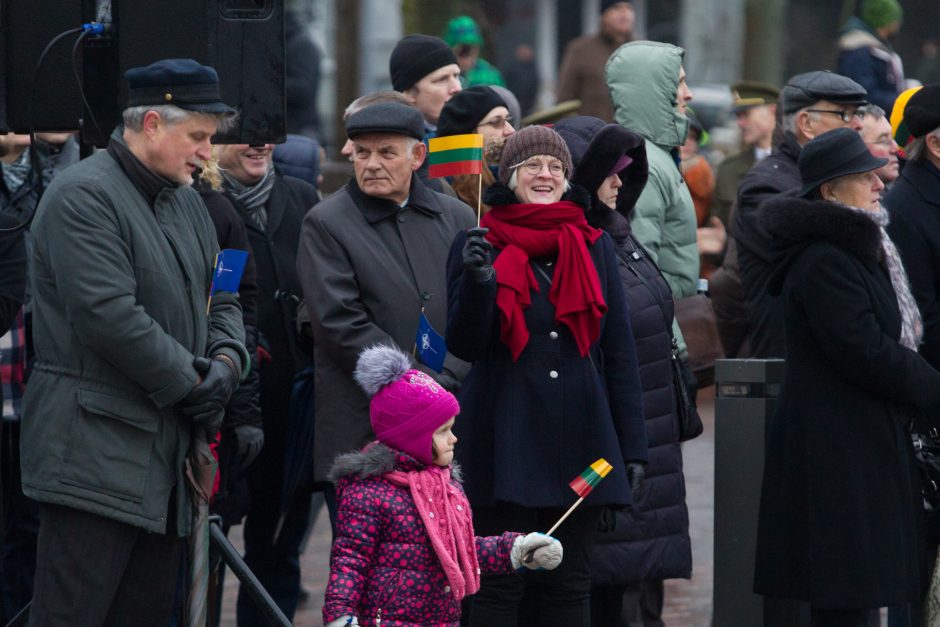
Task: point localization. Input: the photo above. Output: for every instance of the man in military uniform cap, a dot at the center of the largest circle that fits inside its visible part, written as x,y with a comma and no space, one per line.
813,103
755,106
129,363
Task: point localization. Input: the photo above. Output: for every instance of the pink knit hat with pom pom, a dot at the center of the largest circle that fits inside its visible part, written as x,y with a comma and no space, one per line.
407,405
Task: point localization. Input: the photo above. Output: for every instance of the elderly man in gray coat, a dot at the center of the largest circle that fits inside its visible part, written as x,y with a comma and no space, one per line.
371,259
129,362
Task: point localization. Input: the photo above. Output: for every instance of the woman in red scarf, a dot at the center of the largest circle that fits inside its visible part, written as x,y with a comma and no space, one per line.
536,302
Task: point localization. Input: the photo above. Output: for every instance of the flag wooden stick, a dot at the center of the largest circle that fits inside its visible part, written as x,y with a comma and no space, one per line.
531,554
479,199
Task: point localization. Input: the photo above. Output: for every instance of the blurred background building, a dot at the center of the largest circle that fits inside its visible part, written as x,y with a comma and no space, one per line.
725,40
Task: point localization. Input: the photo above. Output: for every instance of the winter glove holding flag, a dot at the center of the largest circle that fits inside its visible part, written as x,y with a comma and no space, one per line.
476,255
546,552
205,403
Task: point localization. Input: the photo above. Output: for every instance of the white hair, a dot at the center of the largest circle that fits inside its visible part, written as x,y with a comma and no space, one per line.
917,149
171,114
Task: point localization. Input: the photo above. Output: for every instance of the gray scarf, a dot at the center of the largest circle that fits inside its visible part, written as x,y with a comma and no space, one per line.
252,197
912,324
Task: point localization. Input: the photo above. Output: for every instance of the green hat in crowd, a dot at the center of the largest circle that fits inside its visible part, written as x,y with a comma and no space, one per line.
463,30
747,94
878,13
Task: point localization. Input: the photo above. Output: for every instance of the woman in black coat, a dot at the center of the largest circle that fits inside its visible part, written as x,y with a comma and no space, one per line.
539,307
841,525
649,542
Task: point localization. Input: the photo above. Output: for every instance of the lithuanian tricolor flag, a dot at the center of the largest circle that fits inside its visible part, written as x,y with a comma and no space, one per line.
456,154
592,475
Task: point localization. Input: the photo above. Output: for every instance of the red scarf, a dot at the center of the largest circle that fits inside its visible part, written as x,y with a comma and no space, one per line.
529,230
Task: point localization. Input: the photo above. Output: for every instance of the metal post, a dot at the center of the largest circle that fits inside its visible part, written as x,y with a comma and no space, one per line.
233,560
746,395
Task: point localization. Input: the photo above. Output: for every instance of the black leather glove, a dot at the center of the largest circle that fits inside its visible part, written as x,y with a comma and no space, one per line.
205,403
691,383
446,379
249,439
476,255
635,473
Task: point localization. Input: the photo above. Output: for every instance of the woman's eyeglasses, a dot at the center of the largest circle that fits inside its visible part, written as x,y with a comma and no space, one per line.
497,123
534,167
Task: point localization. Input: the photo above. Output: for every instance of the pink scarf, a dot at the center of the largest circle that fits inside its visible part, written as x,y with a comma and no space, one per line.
446,515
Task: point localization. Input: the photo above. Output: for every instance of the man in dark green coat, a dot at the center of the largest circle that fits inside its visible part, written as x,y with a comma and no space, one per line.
128,361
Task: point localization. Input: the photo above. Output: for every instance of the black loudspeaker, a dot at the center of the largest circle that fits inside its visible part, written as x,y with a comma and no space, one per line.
242,39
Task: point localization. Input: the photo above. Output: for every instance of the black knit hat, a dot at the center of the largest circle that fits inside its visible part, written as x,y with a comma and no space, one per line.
466,109
922,113
531,141
606,4
833,154
386,117
416,56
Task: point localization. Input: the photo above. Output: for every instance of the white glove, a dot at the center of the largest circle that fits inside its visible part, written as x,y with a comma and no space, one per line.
343,621
546,552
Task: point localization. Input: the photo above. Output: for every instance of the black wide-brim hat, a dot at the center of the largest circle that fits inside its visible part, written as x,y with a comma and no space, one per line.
833,154
184,83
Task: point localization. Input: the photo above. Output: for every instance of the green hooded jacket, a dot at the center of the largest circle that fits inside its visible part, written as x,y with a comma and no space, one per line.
643,79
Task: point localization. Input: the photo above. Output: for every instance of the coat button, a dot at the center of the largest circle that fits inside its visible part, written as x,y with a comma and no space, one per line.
553,374
401,218
553,335
431,514
460,508
446,589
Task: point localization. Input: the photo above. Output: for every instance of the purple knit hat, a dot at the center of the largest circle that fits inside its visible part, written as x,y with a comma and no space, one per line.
407,405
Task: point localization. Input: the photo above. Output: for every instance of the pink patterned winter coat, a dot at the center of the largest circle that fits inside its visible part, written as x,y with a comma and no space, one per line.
382,566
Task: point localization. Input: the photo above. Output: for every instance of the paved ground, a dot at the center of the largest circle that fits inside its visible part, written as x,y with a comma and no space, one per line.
688,602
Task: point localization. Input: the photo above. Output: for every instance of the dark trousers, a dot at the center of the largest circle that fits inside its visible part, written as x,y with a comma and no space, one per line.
275,564
95,571
20,528
636,605
844,618
559,597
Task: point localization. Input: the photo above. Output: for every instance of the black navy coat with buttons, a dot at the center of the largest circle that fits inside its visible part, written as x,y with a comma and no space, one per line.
527,428
650,541
841,523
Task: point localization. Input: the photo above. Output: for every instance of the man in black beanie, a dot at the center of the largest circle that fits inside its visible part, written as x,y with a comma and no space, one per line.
914,205
424,68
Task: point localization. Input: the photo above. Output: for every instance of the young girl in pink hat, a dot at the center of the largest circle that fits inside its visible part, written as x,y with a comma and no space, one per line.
404,552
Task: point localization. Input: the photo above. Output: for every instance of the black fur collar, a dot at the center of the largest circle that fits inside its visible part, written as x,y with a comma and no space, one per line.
498,194
798,222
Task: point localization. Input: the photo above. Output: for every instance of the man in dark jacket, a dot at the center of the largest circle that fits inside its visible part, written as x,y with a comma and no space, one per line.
914,205
273,207
813,103
371,259
129,363
865,54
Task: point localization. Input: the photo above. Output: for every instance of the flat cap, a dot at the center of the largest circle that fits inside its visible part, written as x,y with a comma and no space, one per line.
922,113
386,117
803,90
184,83
752,94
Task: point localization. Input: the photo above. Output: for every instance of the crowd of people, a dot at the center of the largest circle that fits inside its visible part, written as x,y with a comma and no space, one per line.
549,276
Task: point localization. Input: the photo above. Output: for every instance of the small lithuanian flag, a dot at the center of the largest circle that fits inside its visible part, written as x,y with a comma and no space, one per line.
455,154
592,475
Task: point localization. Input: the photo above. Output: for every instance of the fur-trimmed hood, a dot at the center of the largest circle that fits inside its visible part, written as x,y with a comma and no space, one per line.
795,223
595,149
498,194
376,459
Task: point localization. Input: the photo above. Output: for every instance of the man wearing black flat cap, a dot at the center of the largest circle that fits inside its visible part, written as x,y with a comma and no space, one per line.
371,259
129,362
812,103
914,205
